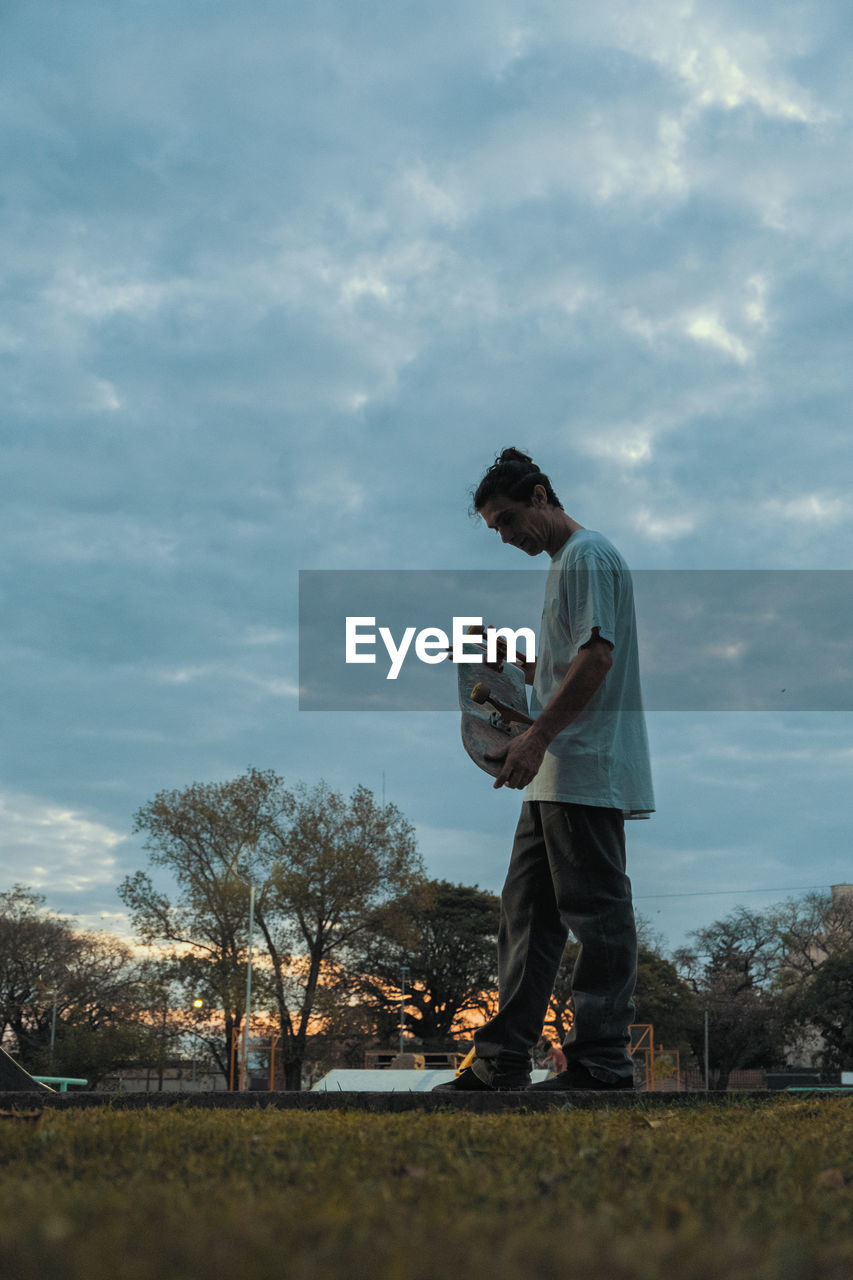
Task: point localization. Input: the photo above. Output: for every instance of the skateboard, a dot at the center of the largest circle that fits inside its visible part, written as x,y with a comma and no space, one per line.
14,1077
494,710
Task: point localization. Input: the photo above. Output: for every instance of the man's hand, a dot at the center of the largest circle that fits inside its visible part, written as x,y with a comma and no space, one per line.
523,756
522,759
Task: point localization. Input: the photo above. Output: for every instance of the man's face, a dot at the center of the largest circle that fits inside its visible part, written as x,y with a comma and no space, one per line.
522,526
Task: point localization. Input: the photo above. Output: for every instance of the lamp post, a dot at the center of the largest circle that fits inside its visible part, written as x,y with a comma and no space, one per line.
198,1005
243,1082
404,969
244,1066
53,1030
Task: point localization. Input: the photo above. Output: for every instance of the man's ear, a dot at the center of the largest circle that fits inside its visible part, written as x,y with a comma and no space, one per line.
539,495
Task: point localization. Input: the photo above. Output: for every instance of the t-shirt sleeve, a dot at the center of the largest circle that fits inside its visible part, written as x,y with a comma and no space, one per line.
591,584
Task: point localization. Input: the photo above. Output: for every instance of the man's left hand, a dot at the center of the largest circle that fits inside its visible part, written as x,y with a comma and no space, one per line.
522,760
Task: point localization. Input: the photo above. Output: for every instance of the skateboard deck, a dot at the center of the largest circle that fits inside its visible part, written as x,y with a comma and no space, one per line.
487,717
13,1076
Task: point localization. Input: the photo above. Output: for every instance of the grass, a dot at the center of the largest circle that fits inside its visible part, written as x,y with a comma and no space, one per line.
729,1192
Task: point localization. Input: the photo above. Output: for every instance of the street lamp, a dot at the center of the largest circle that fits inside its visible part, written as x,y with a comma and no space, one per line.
55,991
53,1029
198,1005
244,1066
404,969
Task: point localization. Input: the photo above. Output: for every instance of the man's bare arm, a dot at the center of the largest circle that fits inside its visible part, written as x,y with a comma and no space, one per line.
586,674
583,678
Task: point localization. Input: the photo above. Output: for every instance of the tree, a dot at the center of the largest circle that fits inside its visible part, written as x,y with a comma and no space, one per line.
810,929
665,1000
446,936
662,996
330,871
559,1015
204,835
73,1003
733,973
323,866
826,1003
36,955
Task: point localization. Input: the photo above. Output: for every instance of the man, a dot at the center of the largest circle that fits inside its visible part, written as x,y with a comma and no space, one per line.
585,764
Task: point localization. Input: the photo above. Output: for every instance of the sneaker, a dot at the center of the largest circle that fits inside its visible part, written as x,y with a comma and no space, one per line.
576,1078
468,1081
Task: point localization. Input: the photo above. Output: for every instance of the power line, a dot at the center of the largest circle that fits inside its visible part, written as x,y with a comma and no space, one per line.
714,893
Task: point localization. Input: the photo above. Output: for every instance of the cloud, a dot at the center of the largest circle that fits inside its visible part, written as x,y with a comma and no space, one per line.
423,195
94,297
722,56
284,282
665,526
825,509
709,329
220,676
630,445
53,848
732,77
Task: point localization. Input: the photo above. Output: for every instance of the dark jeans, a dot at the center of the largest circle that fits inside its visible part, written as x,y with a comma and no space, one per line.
566,872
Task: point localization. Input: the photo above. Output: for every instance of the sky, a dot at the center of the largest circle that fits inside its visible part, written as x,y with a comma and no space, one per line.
279,280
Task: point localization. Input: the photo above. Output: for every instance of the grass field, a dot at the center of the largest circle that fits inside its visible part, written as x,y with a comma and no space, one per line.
733,1191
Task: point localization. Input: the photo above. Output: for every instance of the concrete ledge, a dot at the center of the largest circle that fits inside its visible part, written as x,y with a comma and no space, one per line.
392,1103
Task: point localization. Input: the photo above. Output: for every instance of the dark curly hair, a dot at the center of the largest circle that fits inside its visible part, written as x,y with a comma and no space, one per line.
515,475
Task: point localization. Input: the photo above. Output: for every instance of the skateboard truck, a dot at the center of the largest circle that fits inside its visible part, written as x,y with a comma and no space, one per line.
482,694
492,713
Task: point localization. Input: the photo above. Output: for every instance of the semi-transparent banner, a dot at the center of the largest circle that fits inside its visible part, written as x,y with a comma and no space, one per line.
709,640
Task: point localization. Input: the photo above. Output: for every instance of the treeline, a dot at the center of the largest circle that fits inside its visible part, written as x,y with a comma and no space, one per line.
72,1003
341,905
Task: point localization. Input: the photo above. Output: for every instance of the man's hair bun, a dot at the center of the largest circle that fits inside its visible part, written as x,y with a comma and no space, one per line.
515,455
516,475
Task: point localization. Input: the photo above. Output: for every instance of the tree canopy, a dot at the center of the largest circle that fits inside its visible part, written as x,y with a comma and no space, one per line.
84,992
323,866
445,935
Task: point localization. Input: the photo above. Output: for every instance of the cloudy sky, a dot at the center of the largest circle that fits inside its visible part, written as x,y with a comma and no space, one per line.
278,282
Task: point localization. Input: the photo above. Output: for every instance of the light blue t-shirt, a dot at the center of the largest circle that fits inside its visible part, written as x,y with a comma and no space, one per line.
602,757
